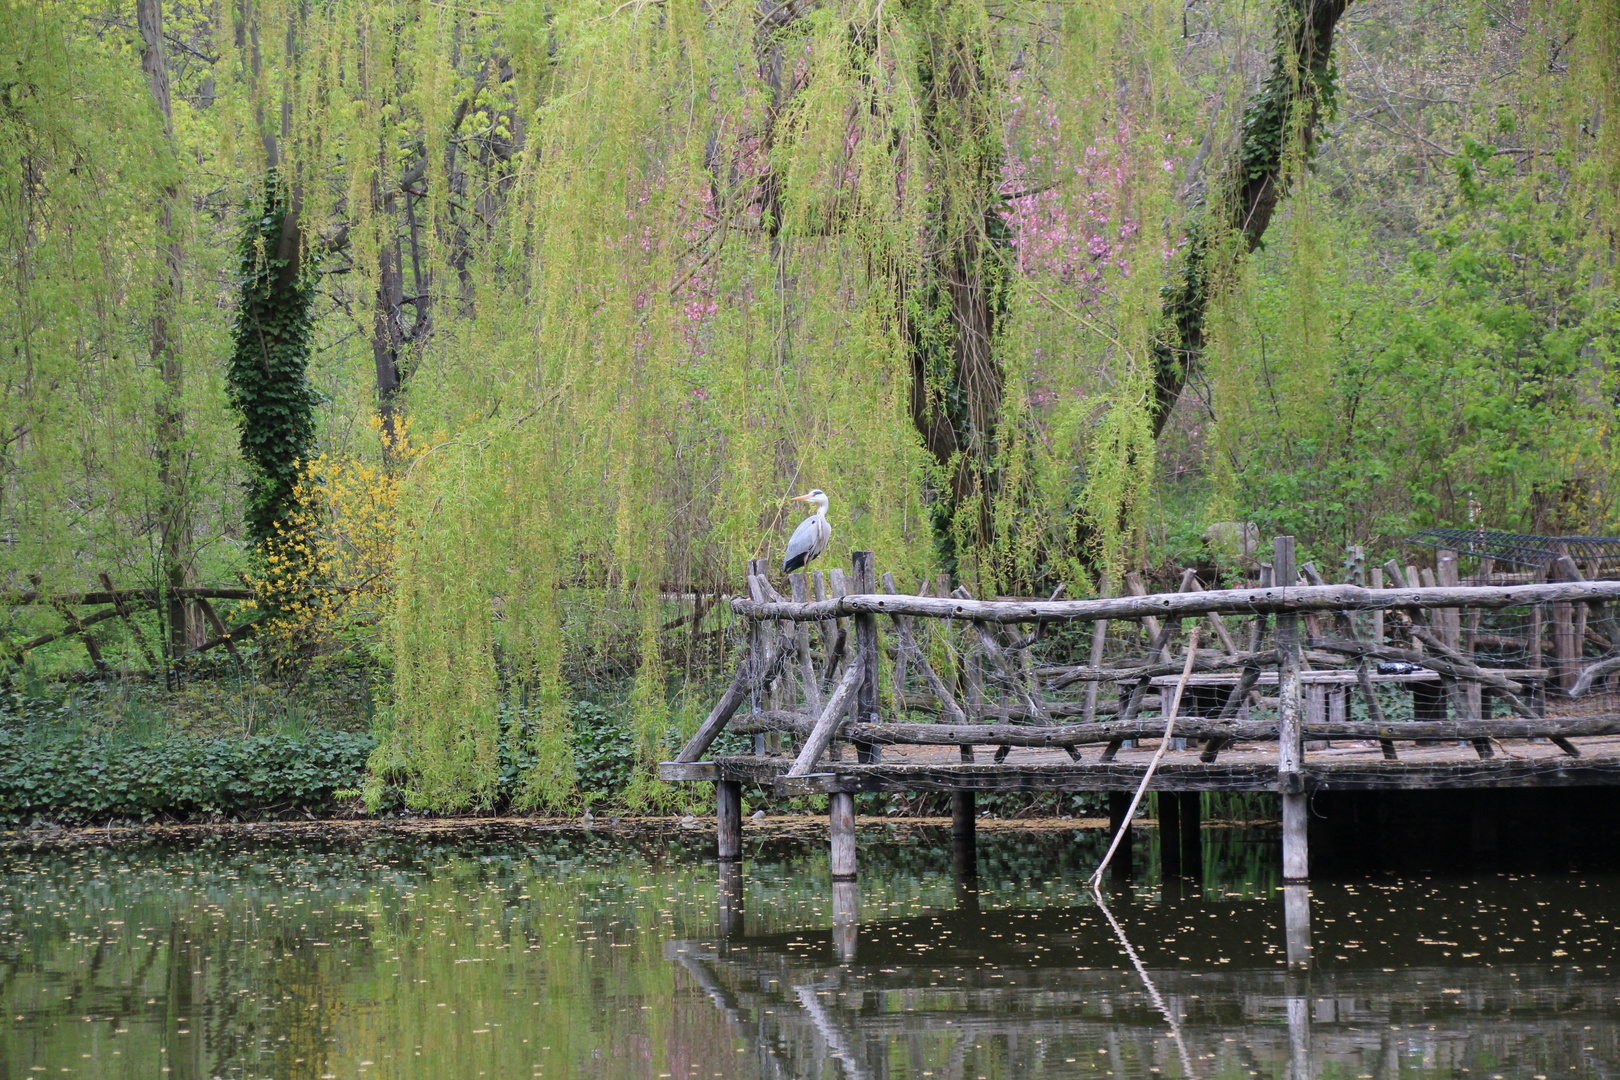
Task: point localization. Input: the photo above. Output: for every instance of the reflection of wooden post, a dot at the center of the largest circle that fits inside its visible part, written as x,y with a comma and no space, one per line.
731,899
1297,932
846,915
1290,731
1297,925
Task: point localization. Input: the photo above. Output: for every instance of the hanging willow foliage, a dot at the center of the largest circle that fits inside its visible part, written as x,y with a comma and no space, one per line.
636,272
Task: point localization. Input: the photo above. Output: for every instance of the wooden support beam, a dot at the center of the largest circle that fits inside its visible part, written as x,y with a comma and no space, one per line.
826,725
218,626
728,820
75,626
947,701
1248,776
736,693
1290,735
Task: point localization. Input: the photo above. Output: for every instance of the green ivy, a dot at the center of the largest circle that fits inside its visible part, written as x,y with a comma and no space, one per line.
94,778
269,382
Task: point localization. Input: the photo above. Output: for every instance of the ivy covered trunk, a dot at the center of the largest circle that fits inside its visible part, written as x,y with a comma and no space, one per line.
1280,125
270,345
953,311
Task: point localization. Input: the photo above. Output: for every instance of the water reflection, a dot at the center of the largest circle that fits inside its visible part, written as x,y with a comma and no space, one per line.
527,953
1182,988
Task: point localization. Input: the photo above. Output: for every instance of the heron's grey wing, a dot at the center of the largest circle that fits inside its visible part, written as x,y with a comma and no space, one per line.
801,546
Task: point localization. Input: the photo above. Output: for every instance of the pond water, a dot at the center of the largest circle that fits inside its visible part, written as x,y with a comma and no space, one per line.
518,952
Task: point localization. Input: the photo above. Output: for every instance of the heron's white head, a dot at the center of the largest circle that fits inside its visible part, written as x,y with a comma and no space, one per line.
816,497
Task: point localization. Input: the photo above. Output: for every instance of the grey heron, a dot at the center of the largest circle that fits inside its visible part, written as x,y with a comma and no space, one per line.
810,538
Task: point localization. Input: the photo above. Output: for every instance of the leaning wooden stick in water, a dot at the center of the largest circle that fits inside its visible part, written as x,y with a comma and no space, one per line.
1164,744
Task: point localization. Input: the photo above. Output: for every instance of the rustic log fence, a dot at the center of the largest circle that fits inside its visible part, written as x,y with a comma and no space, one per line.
124,604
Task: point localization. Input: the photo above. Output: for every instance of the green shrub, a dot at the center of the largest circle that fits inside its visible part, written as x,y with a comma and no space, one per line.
96,777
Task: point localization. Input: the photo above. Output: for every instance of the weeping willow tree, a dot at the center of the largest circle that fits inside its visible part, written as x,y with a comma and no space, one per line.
112,457
730,257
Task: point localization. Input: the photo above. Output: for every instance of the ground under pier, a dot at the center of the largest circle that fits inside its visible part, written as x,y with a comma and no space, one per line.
1535,830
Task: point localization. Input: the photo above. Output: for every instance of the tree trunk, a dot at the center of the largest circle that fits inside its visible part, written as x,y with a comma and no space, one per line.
174,511
1249,187
388,315
951,317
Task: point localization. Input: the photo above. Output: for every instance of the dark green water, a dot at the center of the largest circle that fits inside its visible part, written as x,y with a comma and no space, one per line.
518,953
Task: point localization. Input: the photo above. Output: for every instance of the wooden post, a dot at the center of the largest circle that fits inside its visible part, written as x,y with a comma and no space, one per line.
728,820
1377,582
1448,625
867,656
1192,841
807,663
1540,701
1119,803
1099,640
823,627
756,641
1290,744
964,835
1168,807
841,820
1566,648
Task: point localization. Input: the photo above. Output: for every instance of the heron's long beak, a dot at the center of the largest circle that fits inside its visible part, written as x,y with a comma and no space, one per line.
799,498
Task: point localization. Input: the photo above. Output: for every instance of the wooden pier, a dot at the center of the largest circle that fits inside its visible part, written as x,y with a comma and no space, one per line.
936,691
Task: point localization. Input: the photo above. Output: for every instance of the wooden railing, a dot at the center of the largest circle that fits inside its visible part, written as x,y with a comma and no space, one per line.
812,669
